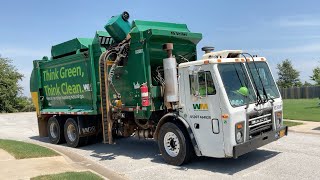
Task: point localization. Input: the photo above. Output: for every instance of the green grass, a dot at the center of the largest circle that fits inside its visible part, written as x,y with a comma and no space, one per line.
301,109
291,123
86,175
22,150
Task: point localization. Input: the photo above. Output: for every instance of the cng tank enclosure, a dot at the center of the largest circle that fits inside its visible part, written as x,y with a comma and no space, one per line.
118,26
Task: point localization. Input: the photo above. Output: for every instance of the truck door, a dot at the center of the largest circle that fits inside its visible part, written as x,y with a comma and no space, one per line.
202,105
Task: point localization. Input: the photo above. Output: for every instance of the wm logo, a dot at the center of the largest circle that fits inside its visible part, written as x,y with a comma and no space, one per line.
199,107
87,87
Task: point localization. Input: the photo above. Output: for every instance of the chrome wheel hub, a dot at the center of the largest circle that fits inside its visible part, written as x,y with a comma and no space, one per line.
71,132
53,130
171,144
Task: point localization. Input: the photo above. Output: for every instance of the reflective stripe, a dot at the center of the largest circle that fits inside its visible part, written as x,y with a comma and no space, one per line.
133,108
145,94
75,113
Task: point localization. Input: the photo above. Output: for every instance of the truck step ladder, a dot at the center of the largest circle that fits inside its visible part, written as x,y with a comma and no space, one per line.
105,102
121,51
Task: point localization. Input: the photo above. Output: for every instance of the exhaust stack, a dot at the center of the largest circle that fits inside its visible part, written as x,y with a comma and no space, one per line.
170,75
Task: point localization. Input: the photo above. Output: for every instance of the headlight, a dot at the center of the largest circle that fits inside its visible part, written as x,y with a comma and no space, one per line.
239,132
278,116
239,136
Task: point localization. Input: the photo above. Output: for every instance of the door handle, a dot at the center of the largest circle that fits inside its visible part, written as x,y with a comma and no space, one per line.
215,126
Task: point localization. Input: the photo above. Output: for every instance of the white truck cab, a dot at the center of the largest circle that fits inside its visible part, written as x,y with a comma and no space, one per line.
231,103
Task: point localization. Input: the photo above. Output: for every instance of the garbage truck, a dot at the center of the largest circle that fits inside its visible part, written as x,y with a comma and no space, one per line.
143,79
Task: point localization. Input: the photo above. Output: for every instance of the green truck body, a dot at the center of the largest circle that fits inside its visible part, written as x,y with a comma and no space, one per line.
92,87
68,82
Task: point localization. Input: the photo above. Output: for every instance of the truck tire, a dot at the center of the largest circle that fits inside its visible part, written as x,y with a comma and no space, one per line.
55,131
71,133
174,144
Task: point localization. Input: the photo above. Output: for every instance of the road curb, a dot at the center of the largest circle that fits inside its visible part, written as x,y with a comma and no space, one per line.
302,132
306,127
84,162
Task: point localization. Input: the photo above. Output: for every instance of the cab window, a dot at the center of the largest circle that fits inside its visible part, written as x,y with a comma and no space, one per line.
202,84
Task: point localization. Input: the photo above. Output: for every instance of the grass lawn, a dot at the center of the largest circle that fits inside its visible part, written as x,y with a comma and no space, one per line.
301,109
86,175
291,123
22,150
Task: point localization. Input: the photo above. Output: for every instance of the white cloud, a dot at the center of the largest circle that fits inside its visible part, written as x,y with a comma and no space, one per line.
22,52
304,68
304,58
299,21
306,48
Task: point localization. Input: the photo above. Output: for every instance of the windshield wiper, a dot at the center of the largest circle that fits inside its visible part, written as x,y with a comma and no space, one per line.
247,82
238,75
243,84
259,98
263,88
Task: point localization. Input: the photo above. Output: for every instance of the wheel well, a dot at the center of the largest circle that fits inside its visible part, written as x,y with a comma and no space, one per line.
162,122
174,118
42,125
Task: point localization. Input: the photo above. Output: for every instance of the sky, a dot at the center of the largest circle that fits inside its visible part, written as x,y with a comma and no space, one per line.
274,29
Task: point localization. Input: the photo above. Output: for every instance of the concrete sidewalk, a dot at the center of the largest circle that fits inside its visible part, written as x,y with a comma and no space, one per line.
307,127
11,168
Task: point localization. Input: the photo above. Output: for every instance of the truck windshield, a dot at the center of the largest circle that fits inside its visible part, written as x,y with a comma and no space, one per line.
237,84
261,69
238,87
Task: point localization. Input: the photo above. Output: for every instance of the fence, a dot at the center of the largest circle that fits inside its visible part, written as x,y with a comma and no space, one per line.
307,92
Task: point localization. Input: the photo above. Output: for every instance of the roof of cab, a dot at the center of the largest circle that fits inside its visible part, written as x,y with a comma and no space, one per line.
219,61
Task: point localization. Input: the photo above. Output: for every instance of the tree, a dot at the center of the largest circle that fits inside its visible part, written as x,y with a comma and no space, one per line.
287,75
316,75
24,104
306,83
10,90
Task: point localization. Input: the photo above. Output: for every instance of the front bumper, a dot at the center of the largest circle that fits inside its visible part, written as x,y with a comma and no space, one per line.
259,141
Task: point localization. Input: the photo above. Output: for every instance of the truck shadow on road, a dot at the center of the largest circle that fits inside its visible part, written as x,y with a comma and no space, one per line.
148,149
230,166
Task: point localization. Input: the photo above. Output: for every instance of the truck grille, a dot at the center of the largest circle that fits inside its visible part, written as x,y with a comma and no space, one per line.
259,123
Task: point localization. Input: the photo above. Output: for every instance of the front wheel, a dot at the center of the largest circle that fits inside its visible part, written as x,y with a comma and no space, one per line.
174,144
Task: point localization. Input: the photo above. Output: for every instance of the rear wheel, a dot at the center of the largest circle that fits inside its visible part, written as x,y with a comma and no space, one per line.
55,131
71,133
174,144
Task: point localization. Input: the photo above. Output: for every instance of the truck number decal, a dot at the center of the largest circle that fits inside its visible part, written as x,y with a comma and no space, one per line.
87,130
138,51
178,33
200,117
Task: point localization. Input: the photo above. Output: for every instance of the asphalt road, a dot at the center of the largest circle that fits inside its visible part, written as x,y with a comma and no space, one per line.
296,156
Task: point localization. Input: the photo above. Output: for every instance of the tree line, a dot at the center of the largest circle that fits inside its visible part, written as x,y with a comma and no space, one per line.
11,98
288,76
